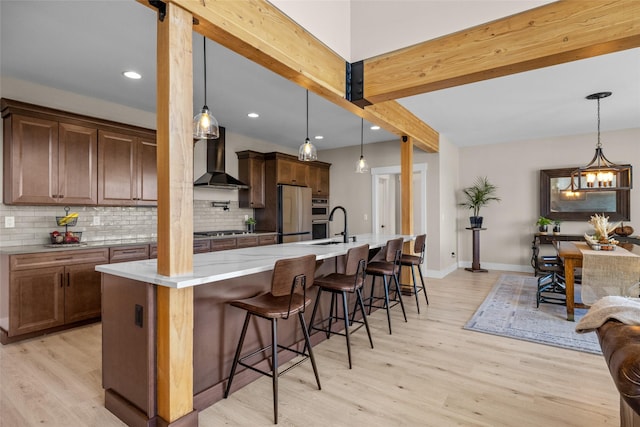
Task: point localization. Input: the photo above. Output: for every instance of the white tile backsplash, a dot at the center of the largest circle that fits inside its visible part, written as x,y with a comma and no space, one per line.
34,223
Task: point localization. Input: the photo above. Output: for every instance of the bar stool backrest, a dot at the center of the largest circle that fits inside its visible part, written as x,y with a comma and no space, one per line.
392,248
419,245
354,256
290,273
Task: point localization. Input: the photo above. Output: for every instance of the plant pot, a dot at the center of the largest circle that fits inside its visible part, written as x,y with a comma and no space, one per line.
251,228
556,229
543,229
475,221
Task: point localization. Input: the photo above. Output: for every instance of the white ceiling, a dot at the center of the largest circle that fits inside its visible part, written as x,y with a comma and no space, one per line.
83,47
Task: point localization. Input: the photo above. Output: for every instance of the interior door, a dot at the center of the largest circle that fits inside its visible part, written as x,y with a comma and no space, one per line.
386,206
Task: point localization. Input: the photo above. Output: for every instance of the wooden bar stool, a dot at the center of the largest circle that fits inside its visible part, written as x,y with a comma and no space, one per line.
350,282
388,268
289,283
416,260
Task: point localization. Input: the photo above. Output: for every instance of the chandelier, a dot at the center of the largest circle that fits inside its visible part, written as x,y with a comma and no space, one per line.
601,174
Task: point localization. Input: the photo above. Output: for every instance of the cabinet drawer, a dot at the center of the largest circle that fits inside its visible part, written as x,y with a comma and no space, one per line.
201,246
223,244
28,261
153,251
247,242
128,253
267,240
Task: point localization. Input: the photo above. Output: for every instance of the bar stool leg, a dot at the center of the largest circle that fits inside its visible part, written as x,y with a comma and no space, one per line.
386,301
346,325
404,313
373,284
424,288
307,340
237,355
332,309
364,316
415,288
274,367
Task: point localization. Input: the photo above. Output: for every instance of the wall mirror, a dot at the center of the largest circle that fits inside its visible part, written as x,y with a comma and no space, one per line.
558,202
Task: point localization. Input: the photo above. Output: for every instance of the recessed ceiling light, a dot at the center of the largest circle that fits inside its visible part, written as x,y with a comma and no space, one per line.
253,115
318,137
374,127
132,75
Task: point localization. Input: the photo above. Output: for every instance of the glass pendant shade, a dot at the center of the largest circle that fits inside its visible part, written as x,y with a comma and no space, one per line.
601,174
205,126
307,151
361,164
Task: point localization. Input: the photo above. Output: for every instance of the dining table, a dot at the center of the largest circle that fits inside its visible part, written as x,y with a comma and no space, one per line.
572,257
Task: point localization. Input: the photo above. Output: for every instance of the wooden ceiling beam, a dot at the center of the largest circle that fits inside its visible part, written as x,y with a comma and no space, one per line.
553,34
262,33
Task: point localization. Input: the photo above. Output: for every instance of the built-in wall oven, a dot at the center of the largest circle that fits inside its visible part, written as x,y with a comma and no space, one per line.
319,218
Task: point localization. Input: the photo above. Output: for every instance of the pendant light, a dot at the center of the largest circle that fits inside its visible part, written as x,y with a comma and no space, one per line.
307,151
601,174
205,126
361,165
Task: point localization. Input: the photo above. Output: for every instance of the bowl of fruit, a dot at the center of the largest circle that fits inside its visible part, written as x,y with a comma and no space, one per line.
65,238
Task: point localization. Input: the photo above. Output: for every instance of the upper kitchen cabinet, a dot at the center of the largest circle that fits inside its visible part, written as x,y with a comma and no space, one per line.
291,172
55,157
127,169
319,179
251,172
48,161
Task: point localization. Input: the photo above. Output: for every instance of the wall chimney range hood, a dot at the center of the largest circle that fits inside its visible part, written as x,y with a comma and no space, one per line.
216,177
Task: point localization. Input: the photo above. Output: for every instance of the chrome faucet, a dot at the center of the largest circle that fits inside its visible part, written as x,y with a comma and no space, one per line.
345,233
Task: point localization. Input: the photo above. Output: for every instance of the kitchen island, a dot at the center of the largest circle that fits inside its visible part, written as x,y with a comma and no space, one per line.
129,320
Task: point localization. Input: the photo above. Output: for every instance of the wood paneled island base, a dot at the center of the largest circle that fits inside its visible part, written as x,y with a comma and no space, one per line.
129,333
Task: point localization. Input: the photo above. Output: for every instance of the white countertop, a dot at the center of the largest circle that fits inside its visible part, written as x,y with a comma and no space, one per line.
214,266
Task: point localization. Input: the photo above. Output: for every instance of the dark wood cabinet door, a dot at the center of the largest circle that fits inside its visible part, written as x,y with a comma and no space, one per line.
251,169
36,300
78,165
291,172
31,161
319,180
147,172
117,184
82,299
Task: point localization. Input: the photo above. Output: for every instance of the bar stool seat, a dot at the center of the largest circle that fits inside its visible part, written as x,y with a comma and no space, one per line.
290,277
388,268
351,281
413,261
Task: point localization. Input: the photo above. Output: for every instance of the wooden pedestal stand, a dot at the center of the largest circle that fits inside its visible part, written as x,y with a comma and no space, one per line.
475,265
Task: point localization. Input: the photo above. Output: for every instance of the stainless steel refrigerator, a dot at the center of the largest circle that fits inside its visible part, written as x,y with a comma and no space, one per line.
294,213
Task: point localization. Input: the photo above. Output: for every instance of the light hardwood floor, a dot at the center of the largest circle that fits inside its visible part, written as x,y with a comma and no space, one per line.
430,372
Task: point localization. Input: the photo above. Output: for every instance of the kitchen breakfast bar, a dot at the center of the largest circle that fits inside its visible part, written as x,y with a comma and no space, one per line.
129,320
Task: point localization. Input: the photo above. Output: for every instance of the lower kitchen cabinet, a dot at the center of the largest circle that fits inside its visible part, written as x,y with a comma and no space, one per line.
49,291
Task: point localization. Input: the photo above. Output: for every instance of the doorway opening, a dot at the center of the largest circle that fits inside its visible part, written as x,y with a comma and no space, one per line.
386,216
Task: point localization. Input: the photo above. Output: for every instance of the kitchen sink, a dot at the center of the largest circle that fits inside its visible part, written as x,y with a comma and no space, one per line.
331,242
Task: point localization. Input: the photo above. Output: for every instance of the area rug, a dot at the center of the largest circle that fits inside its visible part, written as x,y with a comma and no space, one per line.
510,311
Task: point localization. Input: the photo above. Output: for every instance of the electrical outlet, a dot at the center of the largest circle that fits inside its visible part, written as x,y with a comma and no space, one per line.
96,220
9,221
366,217
246,217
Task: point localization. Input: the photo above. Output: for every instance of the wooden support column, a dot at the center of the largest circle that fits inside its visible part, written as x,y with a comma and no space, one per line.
175,213
406,185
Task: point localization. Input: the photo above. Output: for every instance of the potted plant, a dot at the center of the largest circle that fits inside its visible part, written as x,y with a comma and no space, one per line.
251,225
556,226
543,224
478,195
